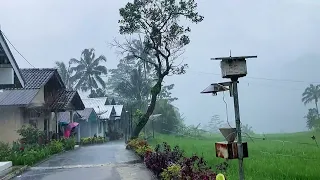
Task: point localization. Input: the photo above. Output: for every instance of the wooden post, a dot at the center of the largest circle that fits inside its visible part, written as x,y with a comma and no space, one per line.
57,125
71,116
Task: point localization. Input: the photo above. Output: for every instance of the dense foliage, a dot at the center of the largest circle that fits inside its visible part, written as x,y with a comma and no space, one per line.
171,163
92,140
29,151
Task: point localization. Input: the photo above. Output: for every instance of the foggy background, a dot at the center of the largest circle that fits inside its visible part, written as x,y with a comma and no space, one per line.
283,34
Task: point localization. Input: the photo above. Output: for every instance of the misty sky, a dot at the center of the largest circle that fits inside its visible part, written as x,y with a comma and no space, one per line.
284,34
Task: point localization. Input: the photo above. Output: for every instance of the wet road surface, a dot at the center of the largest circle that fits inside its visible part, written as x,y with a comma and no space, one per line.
110,161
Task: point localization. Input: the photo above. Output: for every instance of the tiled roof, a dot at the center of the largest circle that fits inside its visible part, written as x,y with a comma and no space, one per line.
36,78
85,114
17,97
64,98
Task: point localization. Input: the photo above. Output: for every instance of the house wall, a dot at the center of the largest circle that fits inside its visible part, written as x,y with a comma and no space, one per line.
11,120
94,128
38,100
84,129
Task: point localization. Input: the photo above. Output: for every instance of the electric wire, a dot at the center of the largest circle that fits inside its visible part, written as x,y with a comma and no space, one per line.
16,49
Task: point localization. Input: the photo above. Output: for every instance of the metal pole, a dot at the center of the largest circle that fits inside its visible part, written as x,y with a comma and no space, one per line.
238,126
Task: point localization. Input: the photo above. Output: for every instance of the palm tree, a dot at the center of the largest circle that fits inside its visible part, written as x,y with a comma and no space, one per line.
88,71
138,49
311,93
134,88
65,73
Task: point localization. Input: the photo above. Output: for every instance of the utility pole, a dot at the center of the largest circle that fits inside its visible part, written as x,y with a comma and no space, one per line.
238,126
232,68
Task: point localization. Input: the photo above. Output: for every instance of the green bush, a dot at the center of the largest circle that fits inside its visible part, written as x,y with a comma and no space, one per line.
29,157
5,151
171,173
68,144
92,140
55,146
30,135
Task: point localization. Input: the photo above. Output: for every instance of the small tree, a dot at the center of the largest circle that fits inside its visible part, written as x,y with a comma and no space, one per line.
163,37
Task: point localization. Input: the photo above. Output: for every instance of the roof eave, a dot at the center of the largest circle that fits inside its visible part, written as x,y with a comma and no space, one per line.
11,59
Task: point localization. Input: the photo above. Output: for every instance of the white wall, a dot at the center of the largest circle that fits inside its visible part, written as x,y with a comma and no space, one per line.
11,119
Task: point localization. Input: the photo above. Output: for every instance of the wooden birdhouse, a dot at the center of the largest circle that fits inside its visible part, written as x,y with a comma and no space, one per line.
233,67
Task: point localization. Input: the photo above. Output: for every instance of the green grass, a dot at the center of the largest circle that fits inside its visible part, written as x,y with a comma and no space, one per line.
268,159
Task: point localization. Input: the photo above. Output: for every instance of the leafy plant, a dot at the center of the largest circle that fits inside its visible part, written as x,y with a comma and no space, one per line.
196,168
142,150
68,143
162,157
171,173
30,134
92,140
5,151
55,146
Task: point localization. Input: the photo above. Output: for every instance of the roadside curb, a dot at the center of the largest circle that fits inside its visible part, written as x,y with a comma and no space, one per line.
15,173
153,176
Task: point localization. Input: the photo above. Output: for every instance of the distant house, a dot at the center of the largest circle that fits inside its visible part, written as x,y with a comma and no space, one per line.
38,104
31,96
88,121
111,115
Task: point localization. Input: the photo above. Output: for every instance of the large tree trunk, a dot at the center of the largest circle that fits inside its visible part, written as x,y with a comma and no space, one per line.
144,119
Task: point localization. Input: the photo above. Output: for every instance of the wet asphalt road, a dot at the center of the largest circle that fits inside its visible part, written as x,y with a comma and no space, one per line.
110,161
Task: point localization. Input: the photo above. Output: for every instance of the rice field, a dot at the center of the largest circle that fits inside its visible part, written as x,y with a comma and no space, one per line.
279,157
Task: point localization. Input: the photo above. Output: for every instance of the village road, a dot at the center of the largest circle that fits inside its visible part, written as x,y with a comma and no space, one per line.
110,161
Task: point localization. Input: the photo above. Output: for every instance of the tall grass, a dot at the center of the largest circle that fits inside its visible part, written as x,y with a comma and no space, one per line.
269,159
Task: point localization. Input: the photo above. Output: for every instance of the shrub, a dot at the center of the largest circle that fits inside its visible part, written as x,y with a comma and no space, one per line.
135,143
92,140
163,157
142,150
156,162
195,168
30,156
171,173
5,151
55,146
68,144
30,135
